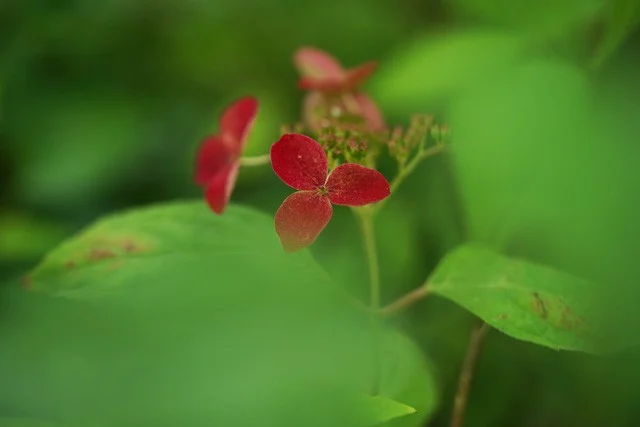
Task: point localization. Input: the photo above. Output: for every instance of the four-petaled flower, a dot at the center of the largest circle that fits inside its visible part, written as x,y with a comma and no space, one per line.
331,87
301,163
323,73
218,158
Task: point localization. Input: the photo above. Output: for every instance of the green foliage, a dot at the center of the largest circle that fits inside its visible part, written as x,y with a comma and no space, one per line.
25,422
133,249
230,329
434,67
536,159
26,238
536,18
378,409
526,300
408,377
81,149
622,18
203,317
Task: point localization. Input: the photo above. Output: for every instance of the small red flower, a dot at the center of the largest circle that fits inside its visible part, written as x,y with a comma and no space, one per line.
218,158
300,162
315,104
322,72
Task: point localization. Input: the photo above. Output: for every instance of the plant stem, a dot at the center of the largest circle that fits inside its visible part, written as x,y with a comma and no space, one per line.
405,171
351,104
466,374
405,301
369,237
366,218
255,160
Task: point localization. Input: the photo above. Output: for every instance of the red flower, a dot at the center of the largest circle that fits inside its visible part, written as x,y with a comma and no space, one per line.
315,106
218,159
322,72
301,163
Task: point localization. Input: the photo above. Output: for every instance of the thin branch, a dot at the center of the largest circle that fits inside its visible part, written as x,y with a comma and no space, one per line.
404,172
466,374
255,160
405,301
369,238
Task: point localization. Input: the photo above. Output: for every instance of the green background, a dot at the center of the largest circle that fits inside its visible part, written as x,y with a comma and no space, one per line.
103,104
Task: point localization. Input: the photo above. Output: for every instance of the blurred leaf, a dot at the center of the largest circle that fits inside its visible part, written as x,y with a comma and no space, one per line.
537,18
216,323
32,422
27,422
408,377
24,237
80,147
127,247
536,163
438,66
525,300
376,410
622,18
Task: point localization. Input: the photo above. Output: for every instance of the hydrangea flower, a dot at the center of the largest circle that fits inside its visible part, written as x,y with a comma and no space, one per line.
301,163
323,73
334,90
218,159
316,104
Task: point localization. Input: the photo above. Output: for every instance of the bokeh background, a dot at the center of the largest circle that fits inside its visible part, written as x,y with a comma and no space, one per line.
103,104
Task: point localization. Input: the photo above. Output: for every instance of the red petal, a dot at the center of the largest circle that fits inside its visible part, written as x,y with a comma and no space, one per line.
370,112
329,85
313,109
356,76
237,120
299,161
300,219
354,185
317,64
220,187
214,155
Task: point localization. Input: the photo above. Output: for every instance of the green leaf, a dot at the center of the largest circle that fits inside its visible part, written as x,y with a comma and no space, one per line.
26,422
213,318
138,246
526,300
622,17
437,66
374,410
404,374
83,144
536,18
31,422
535,175
25,237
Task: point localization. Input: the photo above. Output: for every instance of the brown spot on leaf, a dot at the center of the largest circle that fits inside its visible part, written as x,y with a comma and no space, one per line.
70,265
502,317
100,254
569,320
25,282
539,306
131,247
115,265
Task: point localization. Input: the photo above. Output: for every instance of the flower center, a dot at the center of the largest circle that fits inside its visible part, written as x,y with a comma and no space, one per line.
322,191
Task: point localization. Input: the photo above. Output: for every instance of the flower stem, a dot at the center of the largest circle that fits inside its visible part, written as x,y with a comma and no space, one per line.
351,104
466,374
405,301
255,160
407,169
368,235
366,218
